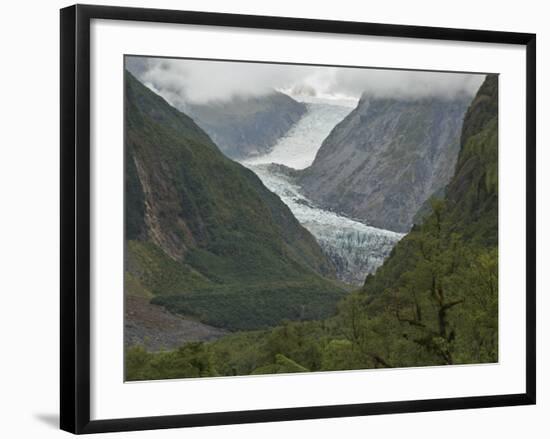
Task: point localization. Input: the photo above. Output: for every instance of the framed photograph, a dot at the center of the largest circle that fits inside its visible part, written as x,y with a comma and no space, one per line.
268,218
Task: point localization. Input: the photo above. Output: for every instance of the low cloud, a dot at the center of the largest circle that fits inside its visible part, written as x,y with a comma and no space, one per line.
182,81
406,83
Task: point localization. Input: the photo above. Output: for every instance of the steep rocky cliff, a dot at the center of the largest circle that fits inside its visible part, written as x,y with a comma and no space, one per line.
386,158
247,126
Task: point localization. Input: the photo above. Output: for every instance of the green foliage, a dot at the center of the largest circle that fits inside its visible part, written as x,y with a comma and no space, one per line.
442,306
282,365
159,273
300,341
339,354
134,287
240,353
189,361
472,194
236,306
477,342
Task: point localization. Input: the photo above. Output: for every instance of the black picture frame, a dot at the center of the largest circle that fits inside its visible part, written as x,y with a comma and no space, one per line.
75,217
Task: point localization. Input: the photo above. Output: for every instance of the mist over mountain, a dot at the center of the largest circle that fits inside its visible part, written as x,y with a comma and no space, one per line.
196,81
247,107
247,126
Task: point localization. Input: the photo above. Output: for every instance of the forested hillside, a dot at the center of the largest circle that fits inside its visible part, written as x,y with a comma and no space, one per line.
205,238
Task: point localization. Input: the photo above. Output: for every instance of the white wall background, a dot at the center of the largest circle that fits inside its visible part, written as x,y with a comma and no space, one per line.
29,248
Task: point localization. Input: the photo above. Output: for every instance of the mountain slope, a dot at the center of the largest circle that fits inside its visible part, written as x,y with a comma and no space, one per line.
247,126
472,194
386,158
204,235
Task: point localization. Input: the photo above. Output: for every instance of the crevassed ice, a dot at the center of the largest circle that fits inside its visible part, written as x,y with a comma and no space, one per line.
298,148
355,248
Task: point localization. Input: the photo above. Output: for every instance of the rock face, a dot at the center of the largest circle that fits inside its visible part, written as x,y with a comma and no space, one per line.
204,236
386,158
155,328
247,126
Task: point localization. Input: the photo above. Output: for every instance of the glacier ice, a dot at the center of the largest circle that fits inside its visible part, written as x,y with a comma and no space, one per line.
355,248
298,147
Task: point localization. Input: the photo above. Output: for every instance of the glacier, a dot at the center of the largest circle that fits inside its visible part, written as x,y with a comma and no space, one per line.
298,147
355,248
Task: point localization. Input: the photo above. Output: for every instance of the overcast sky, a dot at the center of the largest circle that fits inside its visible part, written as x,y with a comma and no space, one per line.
180,80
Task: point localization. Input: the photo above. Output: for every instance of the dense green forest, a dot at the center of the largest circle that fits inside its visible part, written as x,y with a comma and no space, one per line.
433,302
